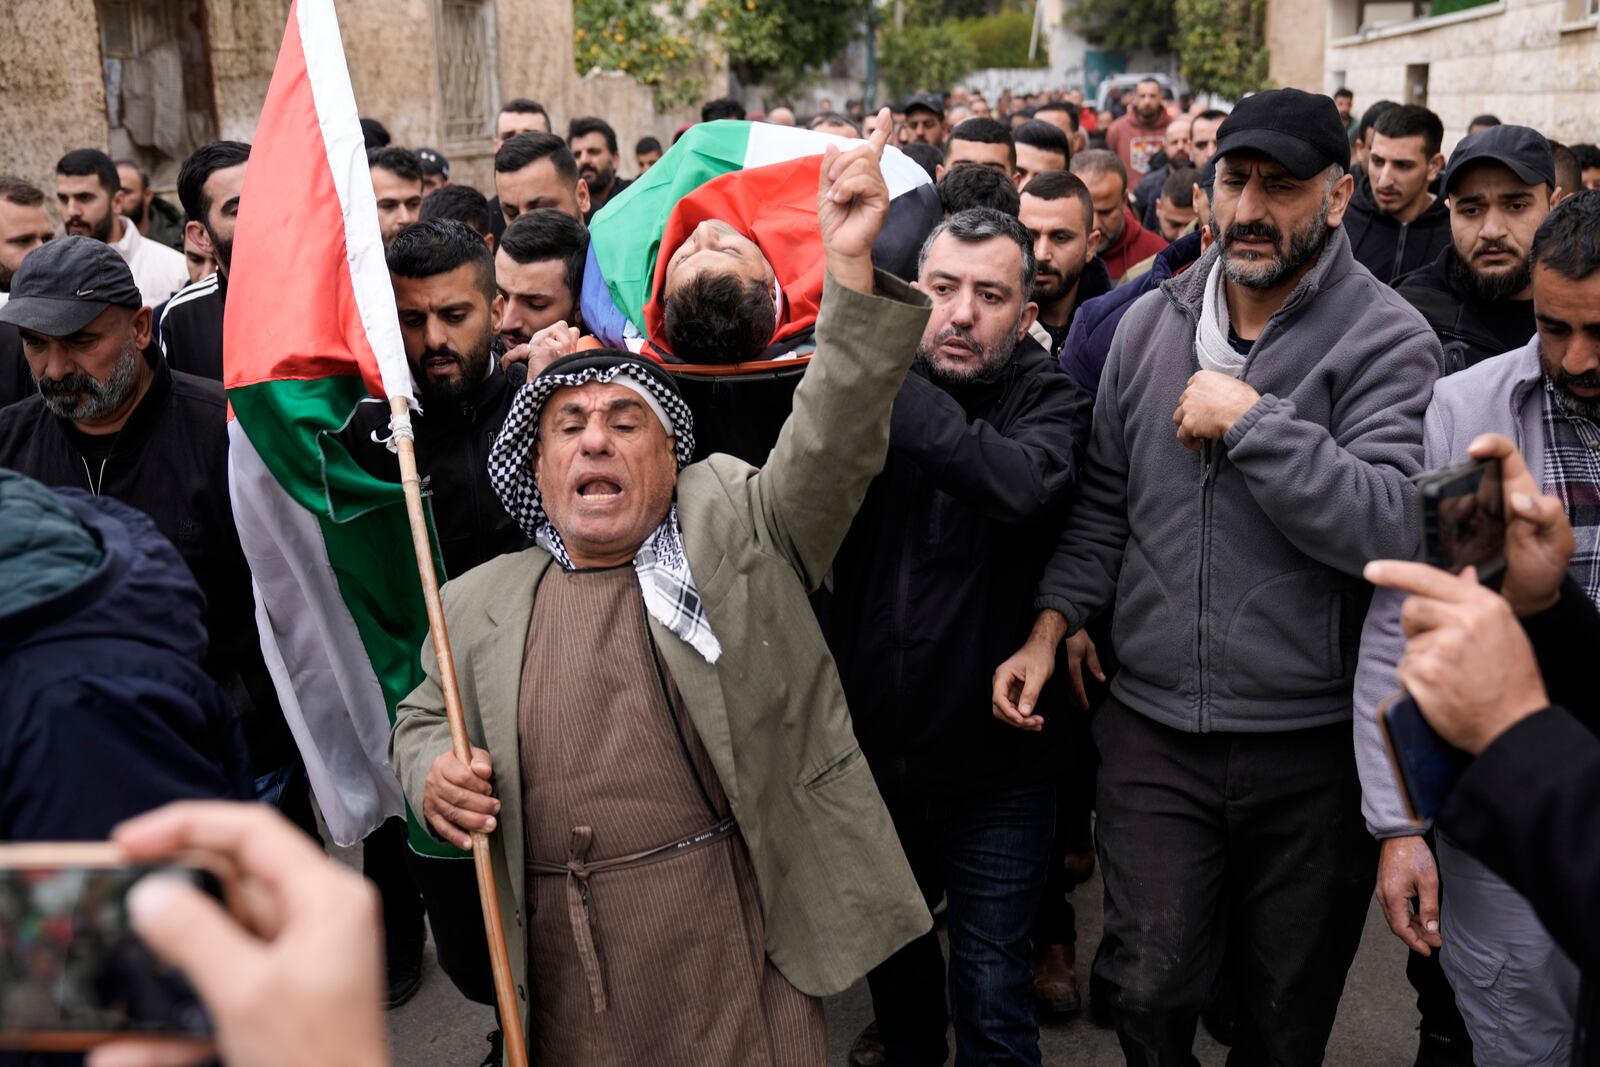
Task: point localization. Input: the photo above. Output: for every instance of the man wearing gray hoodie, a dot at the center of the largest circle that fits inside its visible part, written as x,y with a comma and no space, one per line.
1229,805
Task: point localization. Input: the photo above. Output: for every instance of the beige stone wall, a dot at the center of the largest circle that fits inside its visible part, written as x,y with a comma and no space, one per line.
1514,61
1297,33
630,108
52,99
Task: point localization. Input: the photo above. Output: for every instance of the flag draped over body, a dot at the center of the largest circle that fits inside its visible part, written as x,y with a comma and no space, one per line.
762,180
310,331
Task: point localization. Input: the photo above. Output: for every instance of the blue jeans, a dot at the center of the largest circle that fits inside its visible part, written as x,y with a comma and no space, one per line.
987,856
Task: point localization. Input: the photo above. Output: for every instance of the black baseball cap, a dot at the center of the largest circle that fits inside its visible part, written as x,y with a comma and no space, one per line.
1521,150
924,102
63,285
1300,130
433,162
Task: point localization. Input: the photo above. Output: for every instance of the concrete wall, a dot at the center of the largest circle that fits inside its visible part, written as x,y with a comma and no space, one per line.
1513,59
52,98
1297,34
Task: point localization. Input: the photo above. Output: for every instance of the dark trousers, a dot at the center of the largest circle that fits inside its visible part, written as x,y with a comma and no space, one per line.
1244,848
986,855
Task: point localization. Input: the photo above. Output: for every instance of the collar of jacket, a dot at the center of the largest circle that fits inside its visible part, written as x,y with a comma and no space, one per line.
1186,291
1180,254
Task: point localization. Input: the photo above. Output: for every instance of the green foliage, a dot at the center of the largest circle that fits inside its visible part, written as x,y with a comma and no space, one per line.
924,57
777,41
627,35
1445,7
1127,25
1223,45
1002,40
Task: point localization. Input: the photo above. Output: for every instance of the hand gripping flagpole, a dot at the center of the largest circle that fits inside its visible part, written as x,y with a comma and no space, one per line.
516,1051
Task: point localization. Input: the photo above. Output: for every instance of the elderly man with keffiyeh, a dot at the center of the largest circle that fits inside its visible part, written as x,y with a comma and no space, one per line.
689,847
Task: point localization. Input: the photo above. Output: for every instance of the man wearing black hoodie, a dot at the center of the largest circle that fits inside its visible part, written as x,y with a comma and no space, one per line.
931,591
1478,294
1395,224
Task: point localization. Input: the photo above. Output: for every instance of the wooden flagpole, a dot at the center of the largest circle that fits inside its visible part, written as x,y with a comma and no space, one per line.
505,987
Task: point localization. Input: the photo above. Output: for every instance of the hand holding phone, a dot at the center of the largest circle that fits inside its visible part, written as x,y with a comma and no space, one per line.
1464,518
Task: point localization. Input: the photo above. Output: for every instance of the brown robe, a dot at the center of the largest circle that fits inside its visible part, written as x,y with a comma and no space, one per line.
658,960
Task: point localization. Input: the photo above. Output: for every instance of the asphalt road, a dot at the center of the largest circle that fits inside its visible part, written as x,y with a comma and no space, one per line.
1376,1025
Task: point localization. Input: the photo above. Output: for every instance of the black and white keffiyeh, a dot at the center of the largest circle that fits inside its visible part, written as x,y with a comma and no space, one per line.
662,568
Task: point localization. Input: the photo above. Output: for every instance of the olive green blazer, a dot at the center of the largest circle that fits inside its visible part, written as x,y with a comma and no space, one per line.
837,895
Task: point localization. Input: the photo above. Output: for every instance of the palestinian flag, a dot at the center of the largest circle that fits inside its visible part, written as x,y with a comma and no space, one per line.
311,331
762,180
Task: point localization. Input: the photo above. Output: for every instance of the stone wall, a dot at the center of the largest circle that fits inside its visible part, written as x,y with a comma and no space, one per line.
1297,34
52,98
1513,59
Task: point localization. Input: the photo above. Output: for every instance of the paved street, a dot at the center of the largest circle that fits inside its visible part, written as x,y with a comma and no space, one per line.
1376,1025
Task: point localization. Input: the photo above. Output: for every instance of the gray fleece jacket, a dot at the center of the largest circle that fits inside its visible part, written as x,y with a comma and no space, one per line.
1237,574
1503,395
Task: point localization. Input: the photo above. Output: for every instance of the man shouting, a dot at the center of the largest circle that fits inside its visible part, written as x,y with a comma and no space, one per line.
689,845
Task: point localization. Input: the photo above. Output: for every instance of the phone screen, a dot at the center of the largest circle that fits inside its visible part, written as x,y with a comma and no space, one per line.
70,962
1468,524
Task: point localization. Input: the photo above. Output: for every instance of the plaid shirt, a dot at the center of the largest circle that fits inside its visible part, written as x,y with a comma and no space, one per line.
1572,474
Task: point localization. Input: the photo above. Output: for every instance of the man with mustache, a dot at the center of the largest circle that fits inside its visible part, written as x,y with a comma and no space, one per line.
112,417
931,590
594,145
1229,820
155,217
1058,214
89,195
1478,295
209,187
538,274
1518,993
1396,225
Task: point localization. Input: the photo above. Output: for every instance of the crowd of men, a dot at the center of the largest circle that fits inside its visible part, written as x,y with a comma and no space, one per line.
1060,560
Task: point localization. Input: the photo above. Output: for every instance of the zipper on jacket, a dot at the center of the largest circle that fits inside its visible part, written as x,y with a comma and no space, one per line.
1400,250
1210,458
94,486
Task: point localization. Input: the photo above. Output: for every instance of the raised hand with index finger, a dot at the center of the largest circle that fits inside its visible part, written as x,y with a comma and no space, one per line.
852,204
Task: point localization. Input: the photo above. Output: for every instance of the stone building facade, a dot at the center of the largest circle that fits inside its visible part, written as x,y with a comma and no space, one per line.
1533,62
150,79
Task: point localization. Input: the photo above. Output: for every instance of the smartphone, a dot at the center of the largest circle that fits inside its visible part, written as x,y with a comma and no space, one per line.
73,974
1464,519
1425,764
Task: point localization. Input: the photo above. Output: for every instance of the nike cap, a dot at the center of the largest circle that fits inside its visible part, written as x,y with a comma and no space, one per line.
65,284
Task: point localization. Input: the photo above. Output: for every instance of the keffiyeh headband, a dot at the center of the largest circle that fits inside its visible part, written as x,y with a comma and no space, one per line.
668,588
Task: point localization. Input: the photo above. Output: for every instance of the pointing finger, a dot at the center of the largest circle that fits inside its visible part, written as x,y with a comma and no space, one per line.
881,131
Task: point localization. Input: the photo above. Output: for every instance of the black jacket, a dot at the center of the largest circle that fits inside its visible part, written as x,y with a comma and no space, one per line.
1529,805
190,327
453,443
933,587
1390,249
16,380
107,712
1470,330
171,462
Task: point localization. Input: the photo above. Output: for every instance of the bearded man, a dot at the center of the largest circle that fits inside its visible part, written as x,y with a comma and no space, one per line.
931,591
111,417
1229,808
688,844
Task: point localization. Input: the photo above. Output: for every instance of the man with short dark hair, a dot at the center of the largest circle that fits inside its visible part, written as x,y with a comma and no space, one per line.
1518,994
156,219
1344,101
520,115
89,196
1478,294
646,152
1588,164
984,143
1058,212
538,272
1040,147
112,417
1569,175
930,590
464,204
1482,122
1064,117
1363,137
24,226
210,184
1228,816
374,134
397,184
1174,208
1395,224
1174,154
924,119
435,170
1139,134
594,145
971,185
724,107
1203,135
1123,241
535,170
834,123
